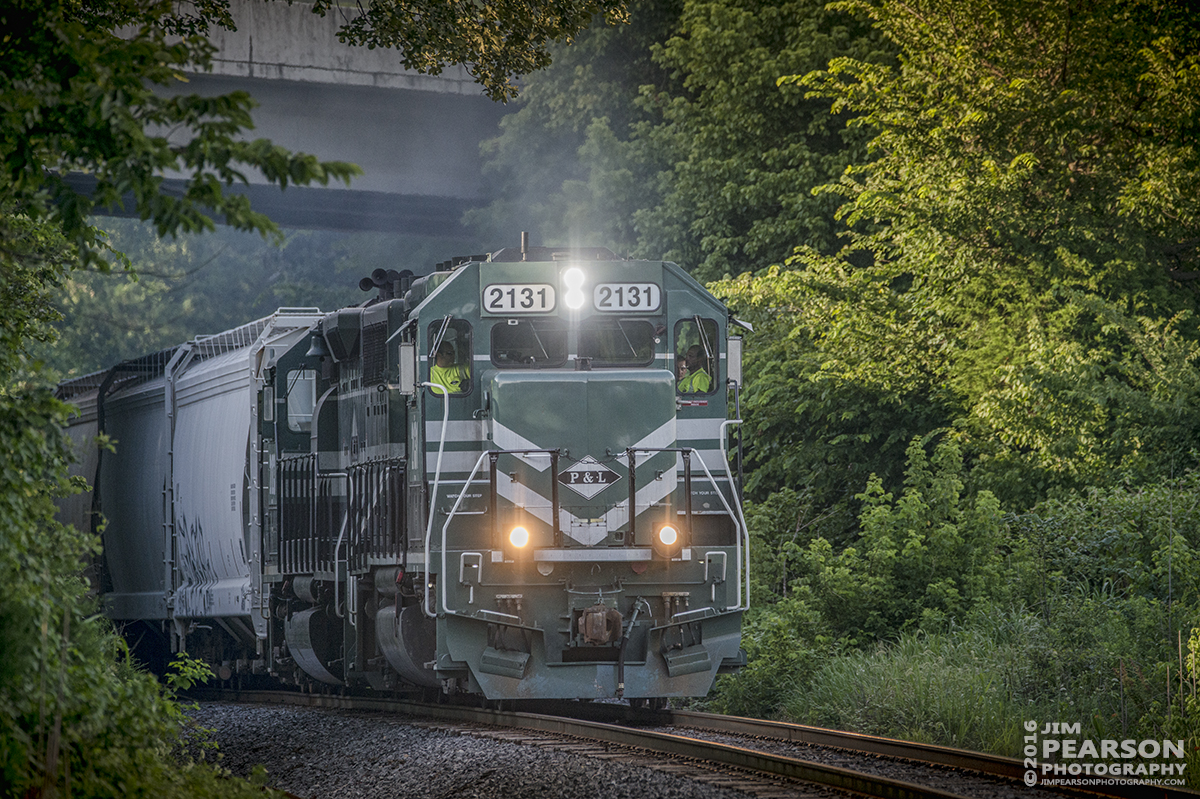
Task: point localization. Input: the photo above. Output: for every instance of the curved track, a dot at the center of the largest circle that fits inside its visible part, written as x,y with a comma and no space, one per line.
611,731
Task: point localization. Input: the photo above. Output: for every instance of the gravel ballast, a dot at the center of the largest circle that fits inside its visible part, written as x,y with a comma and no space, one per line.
334,753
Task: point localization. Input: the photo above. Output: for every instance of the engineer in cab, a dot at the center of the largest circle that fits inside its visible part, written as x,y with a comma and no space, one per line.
447,372
693,377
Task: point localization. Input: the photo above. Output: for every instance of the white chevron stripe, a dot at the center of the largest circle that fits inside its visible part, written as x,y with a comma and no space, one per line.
586,532
538,506
505,438
661,438
583,531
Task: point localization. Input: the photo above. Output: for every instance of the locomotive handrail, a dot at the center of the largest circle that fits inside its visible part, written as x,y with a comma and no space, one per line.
345,521
724,502
490,455
442,575
494,456
437,474
632,452
739,521
741,514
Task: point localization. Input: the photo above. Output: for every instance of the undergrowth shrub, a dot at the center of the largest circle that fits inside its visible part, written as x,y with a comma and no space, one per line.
1097,662
947,621
782,646
1183,715
939,688
77,718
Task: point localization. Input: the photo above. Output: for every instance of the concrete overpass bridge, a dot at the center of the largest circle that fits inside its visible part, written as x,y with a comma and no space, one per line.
416,136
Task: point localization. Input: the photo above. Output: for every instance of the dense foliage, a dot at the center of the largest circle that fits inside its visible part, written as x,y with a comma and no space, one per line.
673,139
74,712
951,621
1013,236
974,426
966,235
1009,287
75,96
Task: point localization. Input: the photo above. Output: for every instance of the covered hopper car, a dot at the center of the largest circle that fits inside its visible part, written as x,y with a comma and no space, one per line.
492,479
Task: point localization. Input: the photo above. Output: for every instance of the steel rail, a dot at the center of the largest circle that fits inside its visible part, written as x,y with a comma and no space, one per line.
965,759
1007,767
761,763
996,765
790,768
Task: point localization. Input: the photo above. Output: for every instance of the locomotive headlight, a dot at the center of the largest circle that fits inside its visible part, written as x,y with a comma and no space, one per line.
667,543
519,537
573,279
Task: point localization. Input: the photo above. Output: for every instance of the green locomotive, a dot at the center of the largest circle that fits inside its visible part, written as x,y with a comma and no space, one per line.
508,477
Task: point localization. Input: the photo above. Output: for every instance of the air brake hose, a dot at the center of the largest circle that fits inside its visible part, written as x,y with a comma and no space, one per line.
637,604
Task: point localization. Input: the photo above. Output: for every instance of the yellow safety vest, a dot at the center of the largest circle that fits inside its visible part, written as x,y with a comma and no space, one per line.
451,377
697,382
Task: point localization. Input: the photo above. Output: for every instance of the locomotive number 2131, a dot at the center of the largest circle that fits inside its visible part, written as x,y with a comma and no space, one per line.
510,298
627,297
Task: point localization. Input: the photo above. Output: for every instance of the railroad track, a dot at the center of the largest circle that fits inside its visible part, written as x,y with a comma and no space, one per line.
668,741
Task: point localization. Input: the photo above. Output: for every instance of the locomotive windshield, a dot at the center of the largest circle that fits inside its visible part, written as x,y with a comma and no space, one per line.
529,344
617,342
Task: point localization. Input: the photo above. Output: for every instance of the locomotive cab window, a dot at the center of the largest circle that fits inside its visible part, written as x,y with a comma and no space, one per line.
301,399
696,356
617,342
529,344
450,356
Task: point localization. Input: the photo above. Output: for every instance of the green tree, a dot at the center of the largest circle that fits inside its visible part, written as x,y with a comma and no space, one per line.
73,711
840,377
496,41
1029,184
741,153
561,166
75,96
673,138
1019,257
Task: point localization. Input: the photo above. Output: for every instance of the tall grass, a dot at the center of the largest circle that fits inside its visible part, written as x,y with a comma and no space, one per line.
1100,665
950,689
